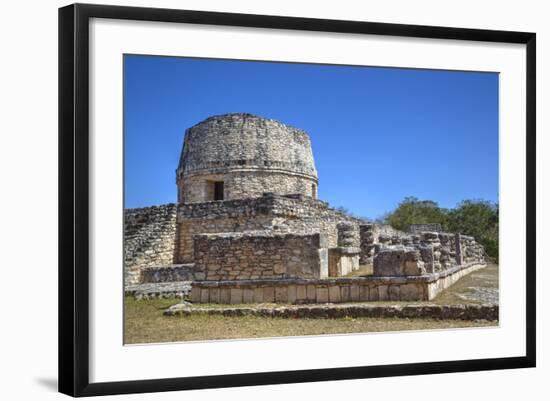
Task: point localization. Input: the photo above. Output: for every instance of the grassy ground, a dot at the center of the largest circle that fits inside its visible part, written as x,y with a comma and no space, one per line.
470,289
364,270
145,322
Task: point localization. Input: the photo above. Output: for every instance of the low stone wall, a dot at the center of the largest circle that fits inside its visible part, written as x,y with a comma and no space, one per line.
372,236
163,274
428,252
333,290
446,279
149,239
260,254
329,311
188,227
398,261
171,289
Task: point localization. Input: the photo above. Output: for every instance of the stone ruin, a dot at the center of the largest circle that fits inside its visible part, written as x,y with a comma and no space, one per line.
248,227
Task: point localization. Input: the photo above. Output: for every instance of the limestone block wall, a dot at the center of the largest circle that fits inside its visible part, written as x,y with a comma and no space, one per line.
333,290
366,243
250,154
398,261
242,183
149,239
471,251
189,227
372,234
287,214
259,255
427,253
171,273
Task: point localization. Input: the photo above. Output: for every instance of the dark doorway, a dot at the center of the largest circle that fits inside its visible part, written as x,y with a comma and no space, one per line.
218,190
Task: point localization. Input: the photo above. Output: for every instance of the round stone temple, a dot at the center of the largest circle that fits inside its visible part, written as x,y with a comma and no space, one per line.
239,155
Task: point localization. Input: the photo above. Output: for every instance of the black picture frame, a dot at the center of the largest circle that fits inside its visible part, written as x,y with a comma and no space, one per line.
74,198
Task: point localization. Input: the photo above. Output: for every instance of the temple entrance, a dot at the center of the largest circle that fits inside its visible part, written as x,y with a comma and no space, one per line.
218,190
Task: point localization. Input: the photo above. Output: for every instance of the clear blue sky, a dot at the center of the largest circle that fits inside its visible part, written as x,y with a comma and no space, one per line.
378,134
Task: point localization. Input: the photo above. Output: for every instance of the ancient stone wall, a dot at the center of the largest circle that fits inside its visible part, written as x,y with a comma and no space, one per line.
286,214
426,253
250,154
334,290
149,239
371,236
245,184
259,255
170,273
189,227
398,261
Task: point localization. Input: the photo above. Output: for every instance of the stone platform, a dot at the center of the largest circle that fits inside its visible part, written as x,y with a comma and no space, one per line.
333,290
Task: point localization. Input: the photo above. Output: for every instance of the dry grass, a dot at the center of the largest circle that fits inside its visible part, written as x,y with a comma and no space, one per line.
486,278
145,323
364,270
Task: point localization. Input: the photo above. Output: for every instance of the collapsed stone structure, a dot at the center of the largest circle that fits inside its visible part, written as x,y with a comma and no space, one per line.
248,227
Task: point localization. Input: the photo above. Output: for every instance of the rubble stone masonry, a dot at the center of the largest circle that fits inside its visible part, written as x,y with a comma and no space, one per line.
260,255
249,154
149,239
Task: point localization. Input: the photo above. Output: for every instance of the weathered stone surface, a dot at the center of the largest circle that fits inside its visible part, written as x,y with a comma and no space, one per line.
195,294
398,261
281,294
258,255
291,294
456,312
239,149
149,240
409,292
322,294
334,293
383,293
277,213
393,292
311,293
258,294
269,294
374,294
215,295
345,294
354,293
301,293
225,295
248,295
364,293
180,289
236,296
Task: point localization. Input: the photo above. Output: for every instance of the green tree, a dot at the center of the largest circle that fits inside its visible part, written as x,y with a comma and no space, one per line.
478,218
414,211
475,217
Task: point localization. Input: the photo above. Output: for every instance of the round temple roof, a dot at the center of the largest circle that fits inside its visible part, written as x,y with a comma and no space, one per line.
240,141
